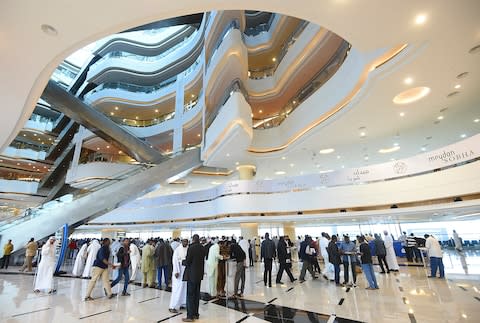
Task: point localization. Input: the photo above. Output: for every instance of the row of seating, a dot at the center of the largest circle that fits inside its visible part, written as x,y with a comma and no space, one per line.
465,243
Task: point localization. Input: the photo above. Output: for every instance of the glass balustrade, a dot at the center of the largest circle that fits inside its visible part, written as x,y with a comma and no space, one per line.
143,123
269,70
317,81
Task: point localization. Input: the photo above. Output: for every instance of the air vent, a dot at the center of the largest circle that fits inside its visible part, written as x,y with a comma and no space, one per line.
462,75
436,122
452,94
474,50
444,109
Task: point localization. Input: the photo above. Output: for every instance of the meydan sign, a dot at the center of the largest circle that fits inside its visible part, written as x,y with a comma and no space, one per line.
460,152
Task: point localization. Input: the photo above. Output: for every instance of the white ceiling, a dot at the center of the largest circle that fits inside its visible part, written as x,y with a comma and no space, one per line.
28,56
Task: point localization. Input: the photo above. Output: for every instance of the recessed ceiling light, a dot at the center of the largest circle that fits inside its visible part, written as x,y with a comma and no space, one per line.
111,113
280,172
325,171
366,157
463,135
440,118
29,164
408,81
457,86
362,134
215,183
283,157
156,110
198,135
411,95
274,59
116,108
24,135
98,148
395,144
402,114
291,165
120,152
338,157
294,102
260,111
343,166
108,147
34,134
327,151
476,120
389,150
237,163
136,118
49,30
18,164
420,19
228,155
423,148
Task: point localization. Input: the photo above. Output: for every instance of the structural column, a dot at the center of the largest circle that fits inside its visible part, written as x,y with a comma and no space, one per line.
178,120
289,230
176,233
246,172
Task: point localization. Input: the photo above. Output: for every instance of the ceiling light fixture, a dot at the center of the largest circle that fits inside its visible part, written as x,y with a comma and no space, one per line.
423,148
411,95
136,118
366,157
476,120
362,134
389,150
291,165
260,111
402,114
420,19
463,135
326,151
156,110
228,155
408,81
440,118
457,86
274,59
283,157
111,113
34,134
338,157
280,172
198,135
98,148
108,147
116,108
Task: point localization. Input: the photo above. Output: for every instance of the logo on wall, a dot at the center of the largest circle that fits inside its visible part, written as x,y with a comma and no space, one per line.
400,168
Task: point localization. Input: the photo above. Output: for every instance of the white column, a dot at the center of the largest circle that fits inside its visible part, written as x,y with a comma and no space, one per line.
179,104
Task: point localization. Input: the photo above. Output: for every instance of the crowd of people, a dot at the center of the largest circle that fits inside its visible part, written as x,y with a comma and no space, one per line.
179,267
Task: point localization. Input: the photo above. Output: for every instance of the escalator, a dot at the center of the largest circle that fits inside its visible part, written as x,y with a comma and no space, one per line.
83,208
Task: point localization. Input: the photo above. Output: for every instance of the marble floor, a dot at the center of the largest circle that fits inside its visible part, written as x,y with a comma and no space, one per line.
408,296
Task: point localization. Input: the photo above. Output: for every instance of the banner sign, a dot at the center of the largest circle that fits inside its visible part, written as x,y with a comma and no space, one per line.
460,152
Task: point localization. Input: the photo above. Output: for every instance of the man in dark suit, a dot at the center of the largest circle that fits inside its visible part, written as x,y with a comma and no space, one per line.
194,264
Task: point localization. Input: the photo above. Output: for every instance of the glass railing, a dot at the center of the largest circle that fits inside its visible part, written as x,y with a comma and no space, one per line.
268,71
17,144
41,119
235,86
143,123
134,87
317,81
260,28
235,24
192,103
101,157
147,59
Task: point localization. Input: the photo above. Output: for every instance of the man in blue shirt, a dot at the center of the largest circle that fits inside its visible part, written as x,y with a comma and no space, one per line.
348,250
100,268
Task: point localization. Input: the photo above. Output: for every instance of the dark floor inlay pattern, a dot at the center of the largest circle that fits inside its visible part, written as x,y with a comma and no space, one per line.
170,317
84,317
41,310
276,313
341,301
243,318
289,289
412,318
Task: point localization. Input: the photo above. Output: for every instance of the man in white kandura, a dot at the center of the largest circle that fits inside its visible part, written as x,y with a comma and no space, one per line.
328,271
212,267
114,247
458,241
391,257
80,261
134,259
244,245
179,287
92,250
46,267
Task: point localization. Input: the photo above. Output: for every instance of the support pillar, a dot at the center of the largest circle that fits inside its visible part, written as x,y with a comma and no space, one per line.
249,231
246,172
289,230
179,106
176,233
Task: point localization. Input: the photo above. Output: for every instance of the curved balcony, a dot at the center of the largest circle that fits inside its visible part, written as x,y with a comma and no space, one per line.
146,42
21,186
145,70
23,153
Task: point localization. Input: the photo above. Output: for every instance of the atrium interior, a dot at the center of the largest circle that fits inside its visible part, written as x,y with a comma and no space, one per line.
154,122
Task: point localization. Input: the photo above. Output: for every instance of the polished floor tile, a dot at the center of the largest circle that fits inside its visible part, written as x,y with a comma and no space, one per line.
407,296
